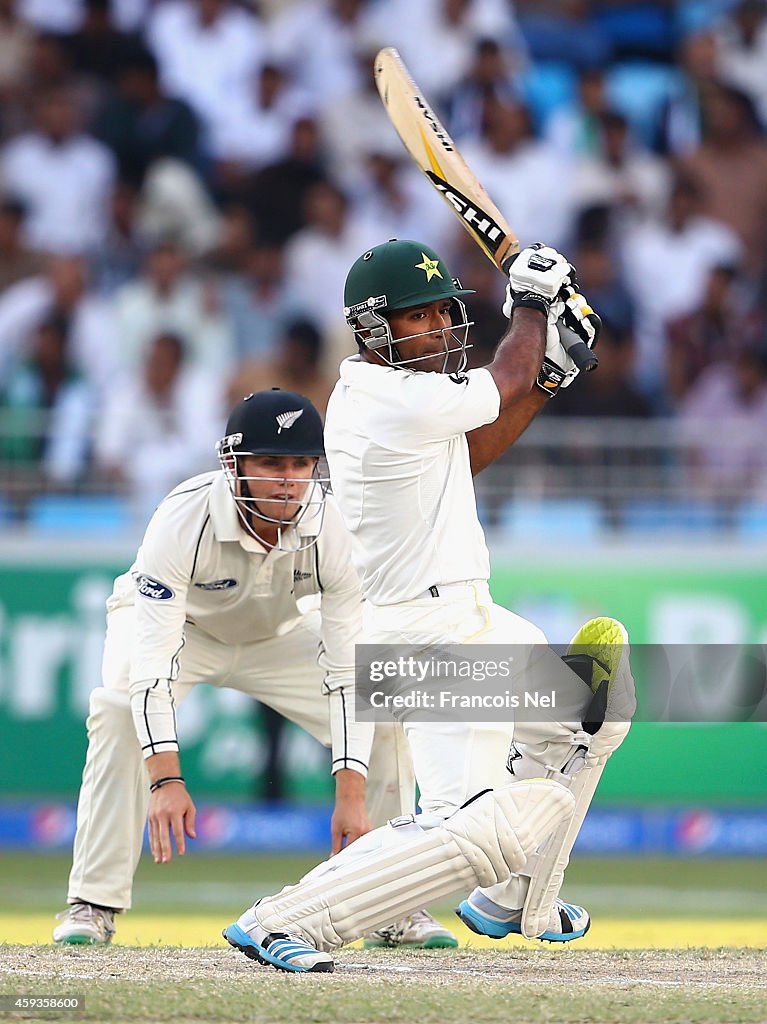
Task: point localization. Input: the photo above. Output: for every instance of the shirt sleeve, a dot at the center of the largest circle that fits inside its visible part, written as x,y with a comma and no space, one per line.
161,574
439,406
341,615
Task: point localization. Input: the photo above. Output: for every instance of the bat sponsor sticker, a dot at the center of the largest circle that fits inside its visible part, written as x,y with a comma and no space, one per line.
477,220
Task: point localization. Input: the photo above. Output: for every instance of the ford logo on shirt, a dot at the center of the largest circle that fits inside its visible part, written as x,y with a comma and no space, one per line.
217,585
153,589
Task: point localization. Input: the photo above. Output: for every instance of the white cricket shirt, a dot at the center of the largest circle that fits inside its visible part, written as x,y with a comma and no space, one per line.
399,464
197,566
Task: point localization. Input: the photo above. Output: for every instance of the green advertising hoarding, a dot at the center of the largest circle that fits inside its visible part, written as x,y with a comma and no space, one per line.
51,635
664,596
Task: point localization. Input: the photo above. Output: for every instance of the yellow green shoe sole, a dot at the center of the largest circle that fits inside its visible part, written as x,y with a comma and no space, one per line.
602,639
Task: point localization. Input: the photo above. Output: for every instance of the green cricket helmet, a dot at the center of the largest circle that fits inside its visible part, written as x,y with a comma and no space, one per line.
400,274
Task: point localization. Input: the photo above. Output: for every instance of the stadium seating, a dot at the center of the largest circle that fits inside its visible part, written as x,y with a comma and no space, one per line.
79,514
639,90
7,511
553,518
547,86
750,519
657,516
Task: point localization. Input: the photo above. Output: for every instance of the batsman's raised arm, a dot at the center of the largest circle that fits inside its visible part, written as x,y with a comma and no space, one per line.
537,277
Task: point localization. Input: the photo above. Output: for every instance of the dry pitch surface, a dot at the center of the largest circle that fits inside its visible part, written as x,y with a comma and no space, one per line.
542,985
636,968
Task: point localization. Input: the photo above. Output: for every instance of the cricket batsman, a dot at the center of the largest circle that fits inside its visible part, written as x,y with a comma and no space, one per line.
407,428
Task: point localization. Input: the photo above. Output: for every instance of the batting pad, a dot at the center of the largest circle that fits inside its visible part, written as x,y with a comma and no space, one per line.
401,867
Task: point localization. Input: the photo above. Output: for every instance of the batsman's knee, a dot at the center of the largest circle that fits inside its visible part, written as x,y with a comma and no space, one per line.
394,870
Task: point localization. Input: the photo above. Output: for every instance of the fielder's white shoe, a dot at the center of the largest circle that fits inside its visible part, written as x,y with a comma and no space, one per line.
419,931
481,915
275,949
85,925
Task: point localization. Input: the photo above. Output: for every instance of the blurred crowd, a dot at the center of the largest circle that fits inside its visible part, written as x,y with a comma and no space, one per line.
185,183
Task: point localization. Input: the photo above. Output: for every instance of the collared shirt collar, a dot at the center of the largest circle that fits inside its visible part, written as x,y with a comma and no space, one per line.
355,369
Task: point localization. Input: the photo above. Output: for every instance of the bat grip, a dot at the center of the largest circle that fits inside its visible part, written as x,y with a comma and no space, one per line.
580,353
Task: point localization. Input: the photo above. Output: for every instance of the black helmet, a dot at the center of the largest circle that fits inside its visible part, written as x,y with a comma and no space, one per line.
273,423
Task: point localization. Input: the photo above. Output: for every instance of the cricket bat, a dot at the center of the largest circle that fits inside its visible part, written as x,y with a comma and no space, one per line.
434,152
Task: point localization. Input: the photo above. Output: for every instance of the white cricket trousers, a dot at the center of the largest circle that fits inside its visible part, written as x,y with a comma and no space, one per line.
281,672
453,761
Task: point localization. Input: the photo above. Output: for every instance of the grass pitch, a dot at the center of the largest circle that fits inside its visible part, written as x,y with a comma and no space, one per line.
641,962
528,987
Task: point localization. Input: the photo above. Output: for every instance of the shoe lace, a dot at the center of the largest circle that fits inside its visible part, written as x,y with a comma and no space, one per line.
291,937
394,932
422,917
87,912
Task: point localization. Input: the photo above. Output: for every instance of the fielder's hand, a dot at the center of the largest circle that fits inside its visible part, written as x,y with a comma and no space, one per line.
536,279
559,370
171,813
350,819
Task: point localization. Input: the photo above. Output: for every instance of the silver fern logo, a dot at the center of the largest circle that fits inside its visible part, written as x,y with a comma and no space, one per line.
285,420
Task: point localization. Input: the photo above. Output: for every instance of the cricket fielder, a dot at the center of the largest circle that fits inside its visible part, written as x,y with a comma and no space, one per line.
243,580
406,430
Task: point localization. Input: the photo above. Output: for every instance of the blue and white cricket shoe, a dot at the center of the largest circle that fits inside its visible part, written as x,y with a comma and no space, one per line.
481,915
275,949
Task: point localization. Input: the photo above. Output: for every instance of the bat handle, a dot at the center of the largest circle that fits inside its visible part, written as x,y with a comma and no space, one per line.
580,353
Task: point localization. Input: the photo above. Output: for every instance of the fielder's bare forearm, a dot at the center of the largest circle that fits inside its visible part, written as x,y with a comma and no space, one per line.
350,784
163,766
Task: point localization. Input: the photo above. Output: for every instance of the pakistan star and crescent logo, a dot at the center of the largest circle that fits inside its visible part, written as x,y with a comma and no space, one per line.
429,267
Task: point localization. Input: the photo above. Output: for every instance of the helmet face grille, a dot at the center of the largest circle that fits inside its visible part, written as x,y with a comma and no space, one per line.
373,331
285,506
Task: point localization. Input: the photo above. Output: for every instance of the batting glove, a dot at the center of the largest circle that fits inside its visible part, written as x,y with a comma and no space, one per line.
580,317
537,278
558,369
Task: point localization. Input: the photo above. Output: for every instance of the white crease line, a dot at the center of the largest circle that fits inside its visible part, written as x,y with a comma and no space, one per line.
509,975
